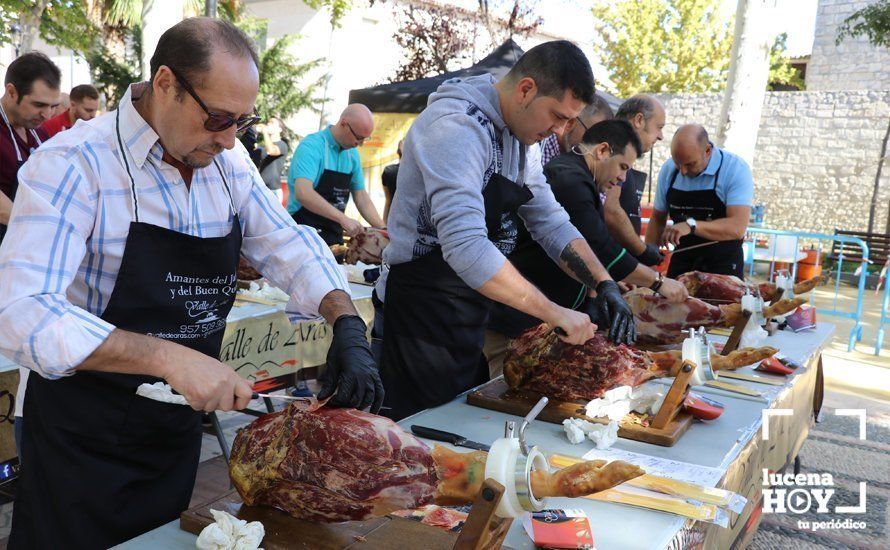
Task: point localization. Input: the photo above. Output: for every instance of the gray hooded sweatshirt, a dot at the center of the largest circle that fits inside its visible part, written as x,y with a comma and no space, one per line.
448,156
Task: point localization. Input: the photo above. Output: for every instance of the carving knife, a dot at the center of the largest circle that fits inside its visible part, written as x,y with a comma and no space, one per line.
693,247
282,397
448,437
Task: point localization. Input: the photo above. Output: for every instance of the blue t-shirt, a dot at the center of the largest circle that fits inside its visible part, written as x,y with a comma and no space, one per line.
735,186
319,152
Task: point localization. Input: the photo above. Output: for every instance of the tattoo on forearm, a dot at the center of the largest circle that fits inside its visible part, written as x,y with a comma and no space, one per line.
576,265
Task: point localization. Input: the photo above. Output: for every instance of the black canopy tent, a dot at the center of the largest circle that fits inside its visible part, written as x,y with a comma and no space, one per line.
396,105
410,96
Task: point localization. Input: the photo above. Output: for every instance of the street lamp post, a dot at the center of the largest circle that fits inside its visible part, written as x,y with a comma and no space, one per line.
210,8
15,30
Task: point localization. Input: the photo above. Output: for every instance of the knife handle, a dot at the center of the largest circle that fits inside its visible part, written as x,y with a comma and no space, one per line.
436,435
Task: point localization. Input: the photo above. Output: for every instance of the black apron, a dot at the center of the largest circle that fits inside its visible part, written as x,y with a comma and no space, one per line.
631,197
334,187
20,160
725,257
434,324
105,465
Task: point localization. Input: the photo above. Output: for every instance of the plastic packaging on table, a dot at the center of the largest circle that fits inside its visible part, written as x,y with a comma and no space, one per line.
563,529
774,366
720,498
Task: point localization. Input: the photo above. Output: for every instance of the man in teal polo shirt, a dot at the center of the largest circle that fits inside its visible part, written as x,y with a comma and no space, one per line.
325,170
708,193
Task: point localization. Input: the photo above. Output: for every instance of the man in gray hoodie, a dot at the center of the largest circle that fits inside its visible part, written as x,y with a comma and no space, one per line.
467,176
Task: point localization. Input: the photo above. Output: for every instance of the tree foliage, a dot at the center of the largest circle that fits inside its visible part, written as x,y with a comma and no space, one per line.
283,90
338,8
107,34
872,21
437,38
664,45
58,22
780,70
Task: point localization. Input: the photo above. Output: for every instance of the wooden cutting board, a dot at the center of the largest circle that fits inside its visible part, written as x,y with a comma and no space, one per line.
285,532
497,396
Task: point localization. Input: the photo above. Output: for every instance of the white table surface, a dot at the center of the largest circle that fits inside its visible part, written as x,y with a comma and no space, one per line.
714,444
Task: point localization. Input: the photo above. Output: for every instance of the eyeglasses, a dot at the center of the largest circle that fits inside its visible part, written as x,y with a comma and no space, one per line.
581,150
217,122
357,137
581,122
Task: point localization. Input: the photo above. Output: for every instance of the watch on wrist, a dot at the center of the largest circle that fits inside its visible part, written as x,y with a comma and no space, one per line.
691,223
654,287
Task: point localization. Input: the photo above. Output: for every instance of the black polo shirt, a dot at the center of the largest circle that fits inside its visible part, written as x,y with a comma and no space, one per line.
574,188
632,196
390,177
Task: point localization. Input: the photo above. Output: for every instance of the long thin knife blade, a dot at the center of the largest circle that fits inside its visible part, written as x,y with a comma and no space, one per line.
448,437
693,247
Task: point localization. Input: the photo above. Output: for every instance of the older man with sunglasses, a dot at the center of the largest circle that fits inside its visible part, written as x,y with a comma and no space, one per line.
119,269
325,171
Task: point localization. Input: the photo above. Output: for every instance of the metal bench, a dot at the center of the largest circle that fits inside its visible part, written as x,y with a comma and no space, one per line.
878,247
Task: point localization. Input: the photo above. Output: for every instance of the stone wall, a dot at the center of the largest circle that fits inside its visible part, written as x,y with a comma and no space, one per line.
854,64
816,158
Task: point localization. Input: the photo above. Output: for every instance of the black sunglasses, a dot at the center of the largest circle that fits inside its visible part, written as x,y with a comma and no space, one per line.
217,122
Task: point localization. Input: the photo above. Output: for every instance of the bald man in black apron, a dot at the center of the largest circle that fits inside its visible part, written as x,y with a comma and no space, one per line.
708,192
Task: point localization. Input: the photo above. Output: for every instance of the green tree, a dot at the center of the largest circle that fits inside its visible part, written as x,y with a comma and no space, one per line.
338,8
872,21
283,90
57,22
664,45
780,70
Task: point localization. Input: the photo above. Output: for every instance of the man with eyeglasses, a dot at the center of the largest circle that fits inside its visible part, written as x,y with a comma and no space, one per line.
325,170
120,270
558,144
579,180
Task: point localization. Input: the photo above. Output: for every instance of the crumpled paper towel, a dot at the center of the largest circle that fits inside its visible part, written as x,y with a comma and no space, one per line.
614,404
576,429
160,391
648,399
604,435
230,533
265,292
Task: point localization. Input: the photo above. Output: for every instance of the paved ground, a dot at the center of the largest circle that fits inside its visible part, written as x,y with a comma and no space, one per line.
854,380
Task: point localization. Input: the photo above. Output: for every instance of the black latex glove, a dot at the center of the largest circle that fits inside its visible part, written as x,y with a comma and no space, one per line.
651,256
351,371
610,310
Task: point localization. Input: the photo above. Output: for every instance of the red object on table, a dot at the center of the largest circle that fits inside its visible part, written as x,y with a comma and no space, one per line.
774,366
701,407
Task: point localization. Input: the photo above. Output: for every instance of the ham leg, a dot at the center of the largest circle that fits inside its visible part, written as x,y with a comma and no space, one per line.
331,465
539,361
661,322
728,288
